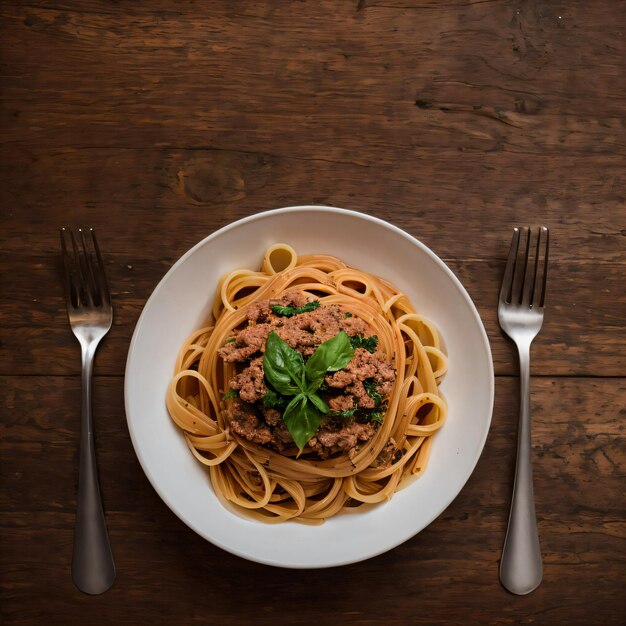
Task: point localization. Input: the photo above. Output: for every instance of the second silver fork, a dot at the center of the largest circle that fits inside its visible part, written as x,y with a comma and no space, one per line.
90,315
520,313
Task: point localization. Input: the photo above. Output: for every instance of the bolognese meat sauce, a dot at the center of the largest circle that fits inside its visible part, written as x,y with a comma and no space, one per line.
356,395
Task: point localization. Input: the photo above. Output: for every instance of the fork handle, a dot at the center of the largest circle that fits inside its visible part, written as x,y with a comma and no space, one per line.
93,569
521,568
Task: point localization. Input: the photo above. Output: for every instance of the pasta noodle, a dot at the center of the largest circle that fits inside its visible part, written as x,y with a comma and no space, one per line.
271,486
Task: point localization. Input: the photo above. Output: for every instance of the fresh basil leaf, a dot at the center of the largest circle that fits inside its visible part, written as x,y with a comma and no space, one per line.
283,366
319,402
302,419
288,311
231,393
331,356
368,343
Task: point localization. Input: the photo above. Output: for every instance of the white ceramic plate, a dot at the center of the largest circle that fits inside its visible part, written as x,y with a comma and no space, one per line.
182,301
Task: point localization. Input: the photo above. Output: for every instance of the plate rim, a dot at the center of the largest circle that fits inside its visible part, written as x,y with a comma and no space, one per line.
308,208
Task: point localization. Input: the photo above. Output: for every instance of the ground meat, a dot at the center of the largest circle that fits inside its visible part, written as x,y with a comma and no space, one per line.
328,441
268,429
282,436
272,416
346,390
303,332
260,311
244,421
335,435
355,326
298,338
385,387
248,342
332,437
250,382
324,322
363,366
340,379
362,398
340,403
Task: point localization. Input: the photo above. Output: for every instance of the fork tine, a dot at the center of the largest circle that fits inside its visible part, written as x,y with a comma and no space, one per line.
543,245
91,282
507,281
101,274
82,293
520,266
532,263
70,291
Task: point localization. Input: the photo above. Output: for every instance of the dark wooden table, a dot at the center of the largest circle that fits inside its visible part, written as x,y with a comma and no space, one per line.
158,122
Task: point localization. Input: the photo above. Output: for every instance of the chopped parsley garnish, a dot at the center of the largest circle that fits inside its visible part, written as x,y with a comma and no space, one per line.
343,414
288,311
230,340
361,415
368,343
348,315
372,391
273,400
231,393
377,416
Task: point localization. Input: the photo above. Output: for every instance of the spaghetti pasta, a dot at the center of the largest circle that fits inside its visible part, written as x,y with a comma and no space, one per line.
274,485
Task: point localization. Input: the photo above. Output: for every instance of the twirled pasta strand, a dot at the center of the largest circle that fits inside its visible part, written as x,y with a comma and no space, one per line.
266,485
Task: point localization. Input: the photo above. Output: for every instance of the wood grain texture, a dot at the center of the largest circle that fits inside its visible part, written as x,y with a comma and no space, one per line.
581,315
447,572
158,122
463,205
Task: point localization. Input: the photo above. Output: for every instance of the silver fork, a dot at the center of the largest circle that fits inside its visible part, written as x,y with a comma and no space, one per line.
520,312
90,314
